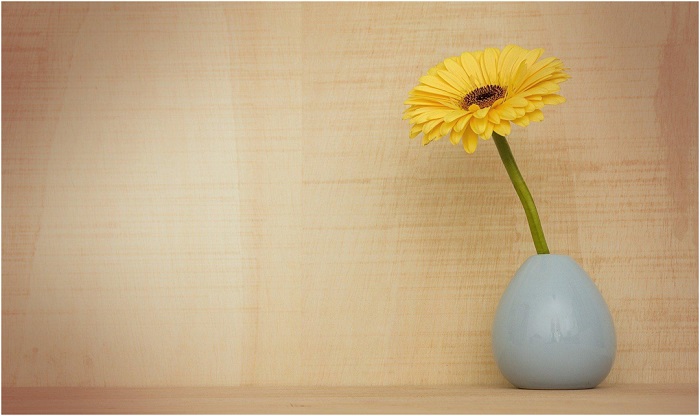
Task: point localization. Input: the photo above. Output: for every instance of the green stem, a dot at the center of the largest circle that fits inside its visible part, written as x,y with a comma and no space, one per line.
523,193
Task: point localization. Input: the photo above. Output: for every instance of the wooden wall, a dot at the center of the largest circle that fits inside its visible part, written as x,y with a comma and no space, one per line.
225,193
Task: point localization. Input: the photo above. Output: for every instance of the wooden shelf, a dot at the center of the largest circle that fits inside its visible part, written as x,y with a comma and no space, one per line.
610,399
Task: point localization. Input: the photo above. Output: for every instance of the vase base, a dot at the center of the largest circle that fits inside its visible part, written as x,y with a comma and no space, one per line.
555,387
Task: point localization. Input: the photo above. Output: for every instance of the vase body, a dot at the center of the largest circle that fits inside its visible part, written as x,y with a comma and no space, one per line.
553,330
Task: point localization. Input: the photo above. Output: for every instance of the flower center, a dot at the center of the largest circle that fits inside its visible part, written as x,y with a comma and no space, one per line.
483,96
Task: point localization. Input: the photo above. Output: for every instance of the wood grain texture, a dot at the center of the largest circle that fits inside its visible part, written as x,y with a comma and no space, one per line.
224,194
627,399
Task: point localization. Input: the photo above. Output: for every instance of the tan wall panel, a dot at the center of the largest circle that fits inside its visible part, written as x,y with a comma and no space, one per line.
224,193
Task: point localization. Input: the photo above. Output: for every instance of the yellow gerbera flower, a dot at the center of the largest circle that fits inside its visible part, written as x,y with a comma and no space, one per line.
479,93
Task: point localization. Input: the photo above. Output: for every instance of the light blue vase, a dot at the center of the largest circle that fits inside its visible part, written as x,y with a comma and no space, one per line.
553,329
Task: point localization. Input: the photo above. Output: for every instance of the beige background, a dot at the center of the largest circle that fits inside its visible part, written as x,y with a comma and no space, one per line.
225,194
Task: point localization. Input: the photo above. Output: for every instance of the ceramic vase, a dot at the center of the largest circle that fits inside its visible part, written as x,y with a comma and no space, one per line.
553,330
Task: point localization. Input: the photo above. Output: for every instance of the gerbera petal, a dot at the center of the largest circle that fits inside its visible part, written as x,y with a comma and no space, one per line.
472,68
446,127
517,101
454,82
488,132
415,131
430,115
455,136
424,101
523,121
536,115
507,113
533,55
427,127
433,133
436,92
538,75
518,78
438,67
414,111
544,64
481,113
553,99
488,63
439,83
503,128
462,122
458,71
503,58
470,140
454,115
493,116
478,124
559,77
544,88
508,65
